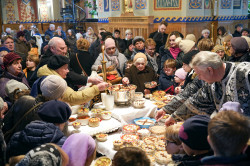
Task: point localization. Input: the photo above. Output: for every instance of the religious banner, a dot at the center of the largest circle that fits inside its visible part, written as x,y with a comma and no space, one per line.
43,10
115,5
106,5
195,4
10,10
237,4
100,6
140,4
226,4
27,10
167,4
207,4
245,4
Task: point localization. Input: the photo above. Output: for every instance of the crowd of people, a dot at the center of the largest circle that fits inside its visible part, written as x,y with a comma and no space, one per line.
41,77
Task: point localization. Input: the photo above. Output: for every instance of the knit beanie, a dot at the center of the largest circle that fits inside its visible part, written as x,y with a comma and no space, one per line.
204,31
191,37
247,39
187,58
109,43
10,57
231,106
137,39
239,45
185,45
54,111
1,103
4,49
181,73
53,87
218,47
140,55
194,133
12,85
57,61
20,33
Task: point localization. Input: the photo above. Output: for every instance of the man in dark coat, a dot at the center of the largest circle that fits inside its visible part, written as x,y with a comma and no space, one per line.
50,31
121,44
237,32
95,48
159,36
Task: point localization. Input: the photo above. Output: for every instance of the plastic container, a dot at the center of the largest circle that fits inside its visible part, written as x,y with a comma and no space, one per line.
144,122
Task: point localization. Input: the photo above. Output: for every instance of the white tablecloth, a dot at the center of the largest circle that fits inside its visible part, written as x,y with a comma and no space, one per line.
127,114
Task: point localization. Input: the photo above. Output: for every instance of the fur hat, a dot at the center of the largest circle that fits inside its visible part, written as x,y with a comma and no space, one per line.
185,45
137,39
54,111
53,87
12,85
187,58
109,43
10,57
239,45
194,133
191,37
181,73
140,55
218,47
57,61
204,31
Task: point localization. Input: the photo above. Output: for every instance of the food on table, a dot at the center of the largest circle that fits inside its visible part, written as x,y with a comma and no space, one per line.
149,149
138,95
121,87
158,130
106,115
160,146
145,122
143,133
163,119
147,96
71,119
96,113
151,158
83,111
162,157
102,137
84,120
150,140
159,93
162,140
130,129
103,161
150,85
170,97
159,104
130,138
117,144
160,98
139,103
76,125
94,122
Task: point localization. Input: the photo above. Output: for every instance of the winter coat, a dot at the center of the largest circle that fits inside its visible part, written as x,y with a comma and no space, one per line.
95,49
121,44
70,96
128,54
71,43
86,61
22,48
50,33
159,39
6,76
20,107
135,51
236,34
158,62
165,55
243,58
138,78
34,134
220,39
165,81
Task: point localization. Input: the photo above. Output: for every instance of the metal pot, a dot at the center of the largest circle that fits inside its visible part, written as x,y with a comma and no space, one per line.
122,94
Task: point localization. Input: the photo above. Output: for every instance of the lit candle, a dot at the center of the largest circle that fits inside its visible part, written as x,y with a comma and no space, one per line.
103,52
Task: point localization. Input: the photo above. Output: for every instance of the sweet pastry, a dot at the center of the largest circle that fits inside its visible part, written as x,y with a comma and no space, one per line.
139,103
84,120
117,144
159,93
130,129
152,159
163,119
103,161
106,115
138,95
130,138
162,157
83,112
144,122
158,130
102,137
96,113
76,125
160,146
150,85
150,140
159,104
143,133
94,122
162,140
149,149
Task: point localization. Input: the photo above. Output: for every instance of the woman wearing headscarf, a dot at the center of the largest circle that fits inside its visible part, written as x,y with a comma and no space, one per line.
80,148
239,50
90,35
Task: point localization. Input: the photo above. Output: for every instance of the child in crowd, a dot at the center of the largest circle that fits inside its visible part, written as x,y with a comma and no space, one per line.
193,134
31,63
138,42
228,134
205,44
129,63
173,143
131,156
179,79
166,80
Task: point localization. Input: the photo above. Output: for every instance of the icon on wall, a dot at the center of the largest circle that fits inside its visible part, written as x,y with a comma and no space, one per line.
195,4
167,4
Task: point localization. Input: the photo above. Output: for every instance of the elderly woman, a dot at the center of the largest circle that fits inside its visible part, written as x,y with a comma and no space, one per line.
13,70
112,56
139,73
239,50
82,62
90,35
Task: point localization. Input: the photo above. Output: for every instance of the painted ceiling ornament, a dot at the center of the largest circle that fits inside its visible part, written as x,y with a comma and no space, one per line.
26,2
195,4
226,4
